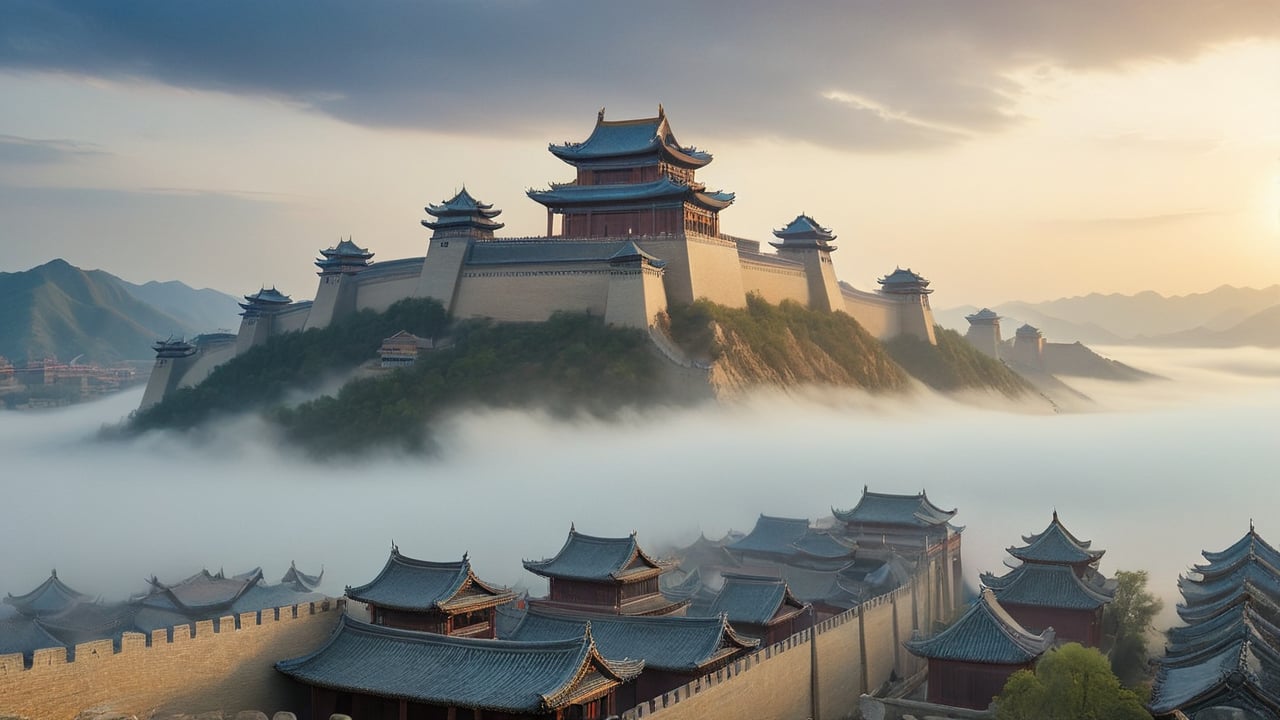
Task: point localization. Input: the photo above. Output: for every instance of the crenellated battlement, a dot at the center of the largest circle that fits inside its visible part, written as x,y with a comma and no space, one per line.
225,664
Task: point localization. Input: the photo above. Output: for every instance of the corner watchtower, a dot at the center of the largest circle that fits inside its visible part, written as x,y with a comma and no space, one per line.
456,223
1028,347
984,331
807,242
336,295
911,291
257,315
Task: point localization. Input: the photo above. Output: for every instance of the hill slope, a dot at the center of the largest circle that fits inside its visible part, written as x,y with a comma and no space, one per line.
59,310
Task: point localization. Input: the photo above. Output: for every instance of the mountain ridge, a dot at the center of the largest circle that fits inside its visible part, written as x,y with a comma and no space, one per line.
59,310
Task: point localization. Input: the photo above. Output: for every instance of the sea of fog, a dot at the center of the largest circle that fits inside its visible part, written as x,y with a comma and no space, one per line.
1160,471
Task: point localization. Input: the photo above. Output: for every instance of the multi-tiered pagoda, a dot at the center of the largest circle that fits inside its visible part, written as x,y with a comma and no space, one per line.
1226,661
634,178
345,258
462,216
610,576
438,597
1056,585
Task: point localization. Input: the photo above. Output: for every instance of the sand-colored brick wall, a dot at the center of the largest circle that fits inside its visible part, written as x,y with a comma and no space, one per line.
775,682
524,293
774,283
380,294
877,314
197,670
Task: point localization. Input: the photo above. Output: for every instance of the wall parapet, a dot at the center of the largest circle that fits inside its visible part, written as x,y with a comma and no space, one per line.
202,666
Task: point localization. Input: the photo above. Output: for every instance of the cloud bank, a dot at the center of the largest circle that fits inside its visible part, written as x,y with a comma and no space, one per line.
1165,470
867,76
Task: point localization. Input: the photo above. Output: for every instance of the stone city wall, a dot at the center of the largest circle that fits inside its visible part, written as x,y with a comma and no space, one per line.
775,283
531,293
187,669
856,652
380,293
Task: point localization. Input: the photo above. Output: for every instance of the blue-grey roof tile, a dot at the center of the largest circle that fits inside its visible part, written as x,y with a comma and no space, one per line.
586,557
986,633
753,600
506,676
1056,545
1055,586
407,583
680,644
890,509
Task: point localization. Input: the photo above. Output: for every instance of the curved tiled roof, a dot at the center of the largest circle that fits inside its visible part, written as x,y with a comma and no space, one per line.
1205,590
1246,592
889,509
625,138
662,188
587,557
1241,551
983,315
681,644
1239,675
407,583
49,597
1054,586
901,280
201,593
1055,544
500,675
302,581
772,535
986,633
754,600
1208,632
24,635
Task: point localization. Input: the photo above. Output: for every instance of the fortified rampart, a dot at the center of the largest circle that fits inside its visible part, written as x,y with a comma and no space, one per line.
841,658
227,666
672,235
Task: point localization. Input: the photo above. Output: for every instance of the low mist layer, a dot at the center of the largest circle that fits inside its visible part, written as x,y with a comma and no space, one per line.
1162,470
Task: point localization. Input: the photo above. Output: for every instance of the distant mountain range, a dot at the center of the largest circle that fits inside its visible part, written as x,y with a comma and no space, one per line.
59,310
1225,317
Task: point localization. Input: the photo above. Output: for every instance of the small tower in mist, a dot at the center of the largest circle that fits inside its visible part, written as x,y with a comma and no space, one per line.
1028,347
911,291
984,331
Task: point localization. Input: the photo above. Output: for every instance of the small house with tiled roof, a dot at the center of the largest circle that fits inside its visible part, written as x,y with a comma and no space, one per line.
1055,584
374,672
1043,596
610,576
675,650
970,661
761,607
438,597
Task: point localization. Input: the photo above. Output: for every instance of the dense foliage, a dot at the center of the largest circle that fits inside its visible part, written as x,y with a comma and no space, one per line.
571,363
1071,682
954,364
781,335
288,362
1126,624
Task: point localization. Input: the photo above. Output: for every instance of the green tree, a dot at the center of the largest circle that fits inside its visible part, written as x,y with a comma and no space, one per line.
1126,625
1069,683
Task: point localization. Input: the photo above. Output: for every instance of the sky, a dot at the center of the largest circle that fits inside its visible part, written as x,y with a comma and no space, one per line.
1004,149
1162,471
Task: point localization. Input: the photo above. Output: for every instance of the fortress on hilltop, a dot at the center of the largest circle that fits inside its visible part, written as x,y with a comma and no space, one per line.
636,232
